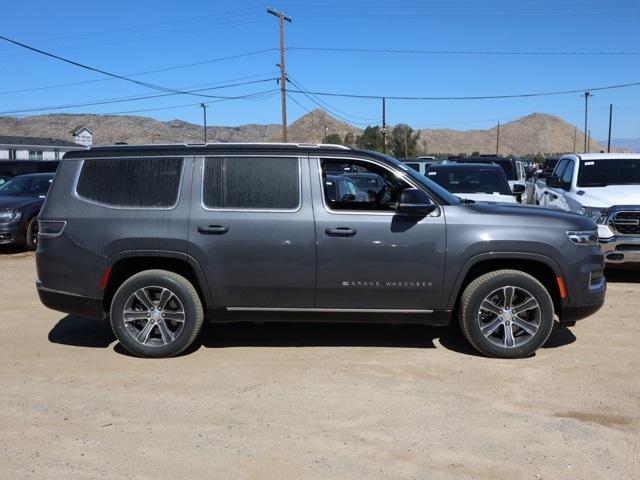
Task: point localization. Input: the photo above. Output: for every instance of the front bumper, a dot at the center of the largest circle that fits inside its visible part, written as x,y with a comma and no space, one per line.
11,233
70,303
621,249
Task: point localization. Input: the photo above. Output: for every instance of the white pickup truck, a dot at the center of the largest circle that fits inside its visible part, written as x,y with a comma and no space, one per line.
606,188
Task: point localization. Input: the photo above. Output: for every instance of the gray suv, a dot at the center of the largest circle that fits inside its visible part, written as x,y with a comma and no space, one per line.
158,238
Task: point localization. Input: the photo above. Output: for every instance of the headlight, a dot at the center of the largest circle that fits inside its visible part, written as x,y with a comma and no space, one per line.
9,215
598,215
586,237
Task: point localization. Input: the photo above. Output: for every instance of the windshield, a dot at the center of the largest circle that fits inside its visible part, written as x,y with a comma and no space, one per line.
445,196
506,164
600,173
26,186
470,181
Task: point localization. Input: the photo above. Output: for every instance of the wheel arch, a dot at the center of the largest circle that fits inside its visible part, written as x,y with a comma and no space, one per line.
124,265
541,267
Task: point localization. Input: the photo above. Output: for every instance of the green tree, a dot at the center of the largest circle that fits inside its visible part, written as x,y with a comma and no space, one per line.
475,153
333,138
371,139
404,141
349,139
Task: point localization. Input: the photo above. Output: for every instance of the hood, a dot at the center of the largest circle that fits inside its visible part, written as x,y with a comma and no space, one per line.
531,215
609,196
488,197
18,201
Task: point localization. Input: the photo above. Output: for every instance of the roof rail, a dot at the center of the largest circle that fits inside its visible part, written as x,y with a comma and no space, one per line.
267,144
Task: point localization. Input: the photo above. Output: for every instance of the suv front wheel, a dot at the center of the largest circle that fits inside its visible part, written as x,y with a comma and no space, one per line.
156,313
506,313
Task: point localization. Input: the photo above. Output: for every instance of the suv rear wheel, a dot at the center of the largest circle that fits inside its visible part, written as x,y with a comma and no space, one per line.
506,313
156,313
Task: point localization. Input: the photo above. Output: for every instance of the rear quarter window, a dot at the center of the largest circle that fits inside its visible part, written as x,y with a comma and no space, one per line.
131,182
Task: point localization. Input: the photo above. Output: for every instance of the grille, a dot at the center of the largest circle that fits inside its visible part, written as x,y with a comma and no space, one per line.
627,223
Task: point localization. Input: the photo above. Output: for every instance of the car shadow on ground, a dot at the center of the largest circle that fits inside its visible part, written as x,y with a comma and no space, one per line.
629,275
79,331
14,250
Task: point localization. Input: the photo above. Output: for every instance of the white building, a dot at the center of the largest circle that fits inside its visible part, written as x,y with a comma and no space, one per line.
34,148
83,135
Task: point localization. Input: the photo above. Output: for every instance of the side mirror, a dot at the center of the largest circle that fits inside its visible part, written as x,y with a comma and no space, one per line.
415,202
518,189
556,182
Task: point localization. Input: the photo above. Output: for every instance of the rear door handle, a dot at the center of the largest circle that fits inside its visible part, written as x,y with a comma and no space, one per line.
340,232
213,229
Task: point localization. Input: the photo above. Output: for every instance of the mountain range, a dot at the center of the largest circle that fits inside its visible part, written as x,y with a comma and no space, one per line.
535,133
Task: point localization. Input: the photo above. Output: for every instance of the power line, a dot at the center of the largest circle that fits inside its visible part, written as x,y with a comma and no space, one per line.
458,52
133,98
250,96
157,70
478,97
103,72
325,105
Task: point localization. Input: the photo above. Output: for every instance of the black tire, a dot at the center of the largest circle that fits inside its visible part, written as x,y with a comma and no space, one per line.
473,319
185,302
31,236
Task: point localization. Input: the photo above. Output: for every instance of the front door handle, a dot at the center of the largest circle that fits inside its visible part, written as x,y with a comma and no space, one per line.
340,232
213,229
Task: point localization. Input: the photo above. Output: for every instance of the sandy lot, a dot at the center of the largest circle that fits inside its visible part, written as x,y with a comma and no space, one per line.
314,401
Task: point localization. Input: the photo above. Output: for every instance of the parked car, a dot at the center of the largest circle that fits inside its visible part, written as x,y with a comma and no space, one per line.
13,168
21,199
474,181
513,168
605,187
156,238
371,183
420,164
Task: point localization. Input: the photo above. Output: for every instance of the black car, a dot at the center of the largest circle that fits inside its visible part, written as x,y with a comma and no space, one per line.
21,199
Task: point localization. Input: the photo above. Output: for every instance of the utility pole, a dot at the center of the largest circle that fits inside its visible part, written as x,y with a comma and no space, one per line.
575,134
283,68
498,141
586,96
204,111
384,125
406,143
610,118
588,141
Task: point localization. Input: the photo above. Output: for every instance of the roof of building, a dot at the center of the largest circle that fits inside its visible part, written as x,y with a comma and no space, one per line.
36,142
81,127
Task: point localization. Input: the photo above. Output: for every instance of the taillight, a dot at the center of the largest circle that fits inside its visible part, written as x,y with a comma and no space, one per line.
51,228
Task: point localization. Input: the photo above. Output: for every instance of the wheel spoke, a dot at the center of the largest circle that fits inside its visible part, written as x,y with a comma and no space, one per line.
508,296
165,296
528,327
529,304
165,333
491,327
489,306
509,341
143,296
175,316
143,336
133,315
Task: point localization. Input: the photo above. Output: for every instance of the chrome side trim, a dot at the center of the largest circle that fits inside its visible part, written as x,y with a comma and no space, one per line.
327,310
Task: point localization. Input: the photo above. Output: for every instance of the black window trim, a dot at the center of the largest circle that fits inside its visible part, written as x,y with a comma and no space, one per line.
202,159
124,207
403,176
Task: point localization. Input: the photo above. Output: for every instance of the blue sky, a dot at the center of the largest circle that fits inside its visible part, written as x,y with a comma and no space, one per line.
127,37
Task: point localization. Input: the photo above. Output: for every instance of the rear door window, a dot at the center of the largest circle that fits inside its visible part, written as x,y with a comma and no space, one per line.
251,183
131,182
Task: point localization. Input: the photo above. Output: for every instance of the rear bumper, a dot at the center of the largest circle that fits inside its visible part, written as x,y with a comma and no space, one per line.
70,303
621,249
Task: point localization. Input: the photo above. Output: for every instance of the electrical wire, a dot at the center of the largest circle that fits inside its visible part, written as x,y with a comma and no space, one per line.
478,97
132,98
457,52
103,72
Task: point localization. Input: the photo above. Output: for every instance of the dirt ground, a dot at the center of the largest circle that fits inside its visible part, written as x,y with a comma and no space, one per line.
314,400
